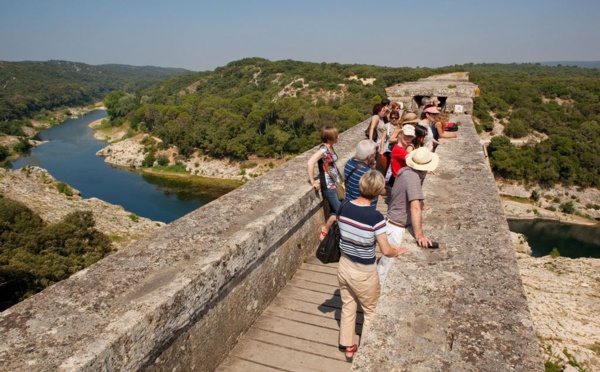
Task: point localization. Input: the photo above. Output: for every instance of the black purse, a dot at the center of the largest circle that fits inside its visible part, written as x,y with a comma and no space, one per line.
329,248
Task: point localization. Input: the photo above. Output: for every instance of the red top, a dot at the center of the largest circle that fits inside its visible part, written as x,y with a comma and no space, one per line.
398,159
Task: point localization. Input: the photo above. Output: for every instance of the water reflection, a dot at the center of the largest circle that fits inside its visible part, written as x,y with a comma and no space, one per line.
571,240
69,154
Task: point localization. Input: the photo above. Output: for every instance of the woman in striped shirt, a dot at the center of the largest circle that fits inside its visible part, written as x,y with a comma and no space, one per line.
361,228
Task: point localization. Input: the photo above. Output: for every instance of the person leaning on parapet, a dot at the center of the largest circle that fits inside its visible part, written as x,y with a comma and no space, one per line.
388,107
377,126
405,205
329,178
355,168
428,119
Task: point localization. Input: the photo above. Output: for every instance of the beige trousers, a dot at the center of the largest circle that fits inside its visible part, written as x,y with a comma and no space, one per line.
356,287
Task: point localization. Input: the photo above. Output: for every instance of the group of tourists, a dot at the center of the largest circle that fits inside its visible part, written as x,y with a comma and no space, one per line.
392,162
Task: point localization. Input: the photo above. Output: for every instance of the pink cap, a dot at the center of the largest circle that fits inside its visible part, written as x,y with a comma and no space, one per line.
432,110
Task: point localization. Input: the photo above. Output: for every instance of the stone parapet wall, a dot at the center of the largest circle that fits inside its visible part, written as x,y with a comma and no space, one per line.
177,299
461,307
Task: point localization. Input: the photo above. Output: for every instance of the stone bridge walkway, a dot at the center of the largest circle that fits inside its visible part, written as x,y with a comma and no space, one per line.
299,330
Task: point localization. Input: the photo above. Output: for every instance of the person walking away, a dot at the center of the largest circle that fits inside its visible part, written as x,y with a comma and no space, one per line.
361,226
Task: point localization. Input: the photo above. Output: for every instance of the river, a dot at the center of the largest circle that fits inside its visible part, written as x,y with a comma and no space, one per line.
571,240
70,156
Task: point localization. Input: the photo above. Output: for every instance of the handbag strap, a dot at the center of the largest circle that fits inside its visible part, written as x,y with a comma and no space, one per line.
333,178
337,216
358,166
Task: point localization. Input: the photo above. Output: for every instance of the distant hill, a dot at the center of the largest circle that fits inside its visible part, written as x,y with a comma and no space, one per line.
28,87
584,64
273,109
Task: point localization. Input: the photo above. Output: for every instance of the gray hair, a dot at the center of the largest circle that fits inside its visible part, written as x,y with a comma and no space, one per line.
365,148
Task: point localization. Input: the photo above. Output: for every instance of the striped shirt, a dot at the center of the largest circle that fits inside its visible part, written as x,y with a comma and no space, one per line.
359,225
352,189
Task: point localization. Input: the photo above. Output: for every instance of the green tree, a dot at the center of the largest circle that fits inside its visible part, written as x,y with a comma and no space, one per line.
516,129
3,152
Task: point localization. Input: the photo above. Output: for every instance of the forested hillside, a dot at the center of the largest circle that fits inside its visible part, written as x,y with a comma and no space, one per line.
560,102
270,109
255,106
28,87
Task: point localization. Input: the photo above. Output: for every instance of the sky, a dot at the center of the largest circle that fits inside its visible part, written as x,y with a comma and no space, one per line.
200,35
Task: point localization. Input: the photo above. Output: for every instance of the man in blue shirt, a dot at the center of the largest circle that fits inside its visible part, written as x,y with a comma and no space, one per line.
363,160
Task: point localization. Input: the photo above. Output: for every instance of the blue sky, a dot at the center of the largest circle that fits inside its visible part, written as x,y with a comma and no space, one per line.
204,34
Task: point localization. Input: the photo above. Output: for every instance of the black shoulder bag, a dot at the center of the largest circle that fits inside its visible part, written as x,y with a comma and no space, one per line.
329,249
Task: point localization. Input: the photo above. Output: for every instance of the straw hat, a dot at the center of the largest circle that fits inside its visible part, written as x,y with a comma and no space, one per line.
422,159
410,118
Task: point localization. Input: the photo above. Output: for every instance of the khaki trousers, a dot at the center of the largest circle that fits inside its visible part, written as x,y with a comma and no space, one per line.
356,287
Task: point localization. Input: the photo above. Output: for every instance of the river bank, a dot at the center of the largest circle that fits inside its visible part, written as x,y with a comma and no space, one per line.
38,190
53,118
562,294
129,150
518,202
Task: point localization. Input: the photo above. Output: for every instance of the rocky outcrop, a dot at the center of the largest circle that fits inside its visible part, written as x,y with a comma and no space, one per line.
36,188
586,202
126,153
131,152
562,294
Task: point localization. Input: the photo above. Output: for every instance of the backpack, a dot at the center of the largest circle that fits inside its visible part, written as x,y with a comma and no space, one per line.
450,127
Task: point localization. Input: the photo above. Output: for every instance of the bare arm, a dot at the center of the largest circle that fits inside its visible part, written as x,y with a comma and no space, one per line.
387,249
416,222
374,122
442,133
310,168
382,145
394,135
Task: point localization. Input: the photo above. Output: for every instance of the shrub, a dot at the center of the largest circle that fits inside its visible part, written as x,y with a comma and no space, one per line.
488,126
248,164
551,366
535,196
567,207
149,159
63,188
551,208
515,129
162,160
3,152
554,252
134,217
22,146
